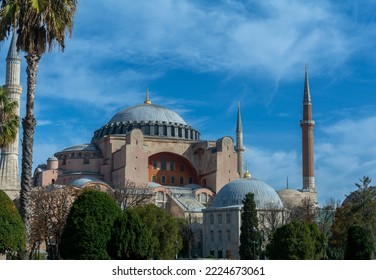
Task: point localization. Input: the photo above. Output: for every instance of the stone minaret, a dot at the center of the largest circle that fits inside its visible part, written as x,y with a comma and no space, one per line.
239,143
9,177
307,125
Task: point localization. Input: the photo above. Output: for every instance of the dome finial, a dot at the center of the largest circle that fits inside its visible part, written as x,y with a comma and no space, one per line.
147,100
247,174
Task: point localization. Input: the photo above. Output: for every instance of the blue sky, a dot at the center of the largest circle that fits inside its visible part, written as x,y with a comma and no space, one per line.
200,58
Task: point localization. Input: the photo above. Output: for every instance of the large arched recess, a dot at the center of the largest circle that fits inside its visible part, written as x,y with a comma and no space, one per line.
171,169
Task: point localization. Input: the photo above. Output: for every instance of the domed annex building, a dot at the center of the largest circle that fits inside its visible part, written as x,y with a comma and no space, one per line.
222,220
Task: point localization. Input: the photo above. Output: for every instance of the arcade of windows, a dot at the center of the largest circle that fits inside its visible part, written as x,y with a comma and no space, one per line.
172,180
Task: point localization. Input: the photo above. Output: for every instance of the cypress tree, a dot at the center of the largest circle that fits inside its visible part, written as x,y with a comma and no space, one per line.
249,234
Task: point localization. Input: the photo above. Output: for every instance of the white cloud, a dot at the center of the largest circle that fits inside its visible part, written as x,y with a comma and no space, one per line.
345,152
274,167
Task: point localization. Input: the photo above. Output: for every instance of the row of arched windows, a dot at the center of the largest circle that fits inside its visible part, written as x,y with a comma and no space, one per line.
220,218
173,180
220,236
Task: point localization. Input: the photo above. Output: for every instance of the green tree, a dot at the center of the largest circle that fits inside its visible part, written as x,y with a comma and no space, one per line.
359,208
88,226
165,231
12,229
131,239
298,240
39,25
249,233
359,244
9,121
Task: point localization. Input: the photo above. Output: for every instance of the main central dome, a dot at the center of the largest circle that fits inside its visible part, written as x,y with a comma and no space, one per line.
153,120
147,113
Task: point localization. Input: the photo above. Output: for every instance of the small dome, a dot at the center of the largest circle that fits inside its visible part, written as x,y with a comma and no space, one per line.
234,193
82,147
52,159
82,181
147,113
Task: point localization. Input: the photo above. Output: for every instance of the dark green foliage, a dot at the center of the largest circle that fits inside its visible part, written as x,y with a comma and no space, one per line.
249,234
9,120
131,239
12,230
359,208
298,240
359,244
88,227
166,238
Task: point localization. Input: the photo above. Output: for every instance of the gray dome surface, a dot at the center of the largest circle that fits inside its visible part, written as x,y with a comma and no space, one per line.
233,193
146,113
82,147
82,181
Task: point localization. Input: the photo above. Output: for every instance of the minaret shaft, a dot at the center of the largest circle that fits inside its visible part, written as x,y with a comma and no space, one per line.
307,125
239,143
9,176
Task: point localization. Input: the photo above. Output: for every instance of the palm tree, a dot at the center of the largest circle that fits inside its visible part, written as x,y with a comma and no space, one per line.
9,120
40,25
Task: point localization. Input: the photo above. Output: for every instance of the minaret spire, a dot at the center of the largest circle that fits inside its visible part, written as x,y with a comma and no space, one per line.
307,94
307,125
9,178
239,143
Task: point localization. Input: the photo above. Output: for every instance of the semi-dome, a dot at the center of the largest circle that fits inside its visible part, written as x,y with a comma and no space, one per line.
291,198
233,194
153,120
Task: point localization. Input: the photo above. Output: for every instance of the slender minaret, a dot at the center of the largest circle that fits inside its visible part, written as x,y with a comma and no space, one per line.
9,177
239,143
307,125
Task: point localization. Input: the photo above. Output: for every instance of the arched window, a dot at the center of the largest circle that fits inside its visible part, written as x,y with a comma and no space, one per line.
163,179
220,238
228,235
163,164
172,165
154,178
219,218
181,181
211,236
211,219
228,218
172,180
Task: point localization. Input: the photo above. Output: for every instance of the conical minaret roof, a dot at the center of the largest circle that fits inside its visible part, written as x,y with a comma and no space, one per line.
12,52
239,126
307,94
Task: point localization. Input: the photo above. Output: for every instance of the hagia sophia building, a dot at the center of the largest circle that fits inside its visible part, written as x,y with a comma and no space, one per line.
153,146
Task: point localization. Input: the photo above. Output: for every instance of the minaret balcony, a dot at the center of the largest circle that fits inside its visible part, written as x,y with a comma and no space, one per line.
307,122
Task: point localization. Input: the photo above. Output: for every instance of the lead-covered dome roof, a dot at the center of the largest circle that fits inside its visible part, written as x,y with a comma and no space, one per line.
147,113
153,120
233,194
